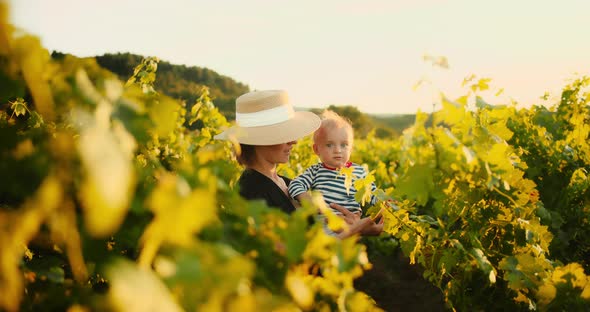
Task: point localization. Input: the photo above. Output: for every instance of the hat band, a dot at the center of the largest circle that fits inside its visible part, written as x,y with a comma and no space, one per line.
266,117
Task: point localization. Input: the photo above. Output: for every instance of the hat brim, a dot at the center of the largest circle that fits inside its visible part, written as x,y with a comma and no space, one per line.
302,124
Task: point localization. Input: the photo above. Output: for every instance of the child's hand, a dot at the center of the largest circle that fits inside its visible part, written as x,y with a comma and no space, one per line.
349,217
364,226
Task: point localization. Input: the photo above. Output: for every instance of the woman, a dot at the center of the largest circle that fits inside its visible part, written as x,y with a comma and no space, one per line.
267,127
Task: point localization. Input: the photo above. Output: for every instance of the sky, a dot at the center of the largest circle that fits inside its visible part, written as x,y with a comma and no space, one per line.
369,54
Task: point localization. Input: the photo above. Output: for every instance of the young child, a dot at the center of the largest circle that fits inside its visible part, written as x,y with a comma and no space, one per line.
333,144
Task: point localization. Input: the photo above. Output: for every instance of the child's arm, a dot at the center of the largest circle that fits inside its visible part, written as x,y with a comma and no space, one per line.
299,187
303,197
373,197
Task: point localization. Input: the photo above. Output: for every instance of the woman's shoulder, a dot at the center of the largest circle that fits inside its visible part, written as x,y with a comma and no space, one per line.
255,185
250,182
248,175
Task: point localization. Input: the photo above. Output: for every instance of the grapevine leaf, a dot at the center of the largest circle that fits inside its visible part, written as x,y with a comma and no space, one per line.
19,107
135,289
417,184
348,177
106,189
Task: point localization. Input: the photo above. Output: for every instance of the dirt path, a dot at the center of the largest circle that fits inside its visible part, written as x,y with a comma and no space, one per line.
398,286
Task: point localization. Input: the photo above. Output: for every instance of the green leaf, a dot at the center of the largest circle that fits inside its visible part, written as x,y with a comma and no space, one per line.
135,289
56,275
484,264
481,104
106,152
19,107
364,189
452,113
417,184
35,120
164,115
295,238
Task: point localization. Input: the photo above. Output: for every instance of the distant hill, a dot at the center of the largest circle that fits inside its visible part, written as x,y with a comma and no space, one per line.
185,83
396,122
385,126
179,81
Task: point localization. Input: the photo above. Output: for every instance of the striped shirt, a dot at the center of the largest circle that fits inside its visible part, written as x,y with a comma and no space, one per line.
330,182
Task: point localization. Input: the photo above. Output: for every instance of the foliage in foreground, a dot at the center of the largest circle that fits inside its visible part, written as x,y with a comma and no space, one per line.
109,202
488,227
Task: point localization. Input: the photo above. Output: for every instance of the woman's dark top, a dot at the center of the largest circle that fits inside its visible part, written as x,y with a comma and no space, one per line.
255,185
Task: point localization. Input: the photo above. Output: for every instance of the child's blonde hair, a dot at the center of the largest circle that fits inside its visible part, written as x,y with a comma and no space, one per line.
331,120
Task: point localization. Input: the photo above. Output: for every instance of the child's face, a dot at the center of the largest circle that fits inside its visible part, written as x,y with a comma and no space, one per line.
335,147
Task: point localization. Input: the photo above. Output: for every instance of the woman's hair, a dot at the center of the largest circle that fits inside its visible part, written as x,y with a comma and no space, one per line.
246,155
331,120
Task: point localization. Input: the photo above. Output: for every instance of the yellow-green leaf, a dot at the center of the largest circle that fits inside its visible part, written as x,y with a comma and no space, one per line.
134,289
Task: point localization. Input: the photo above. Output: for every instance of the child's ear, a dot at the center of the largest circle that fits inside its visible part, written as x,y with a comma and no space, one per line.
315,149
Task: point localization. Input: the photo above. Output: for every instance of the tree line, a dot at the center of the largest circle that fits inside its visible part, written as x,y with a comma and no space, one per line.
186,82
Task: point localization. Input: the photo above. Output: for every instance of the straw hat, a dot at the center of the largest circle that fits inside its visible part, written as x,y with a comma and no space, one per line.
267,118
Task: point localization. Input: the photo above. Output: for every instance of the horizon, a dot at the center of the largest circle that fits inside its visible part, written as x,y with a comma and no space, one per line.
368,55
296,108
